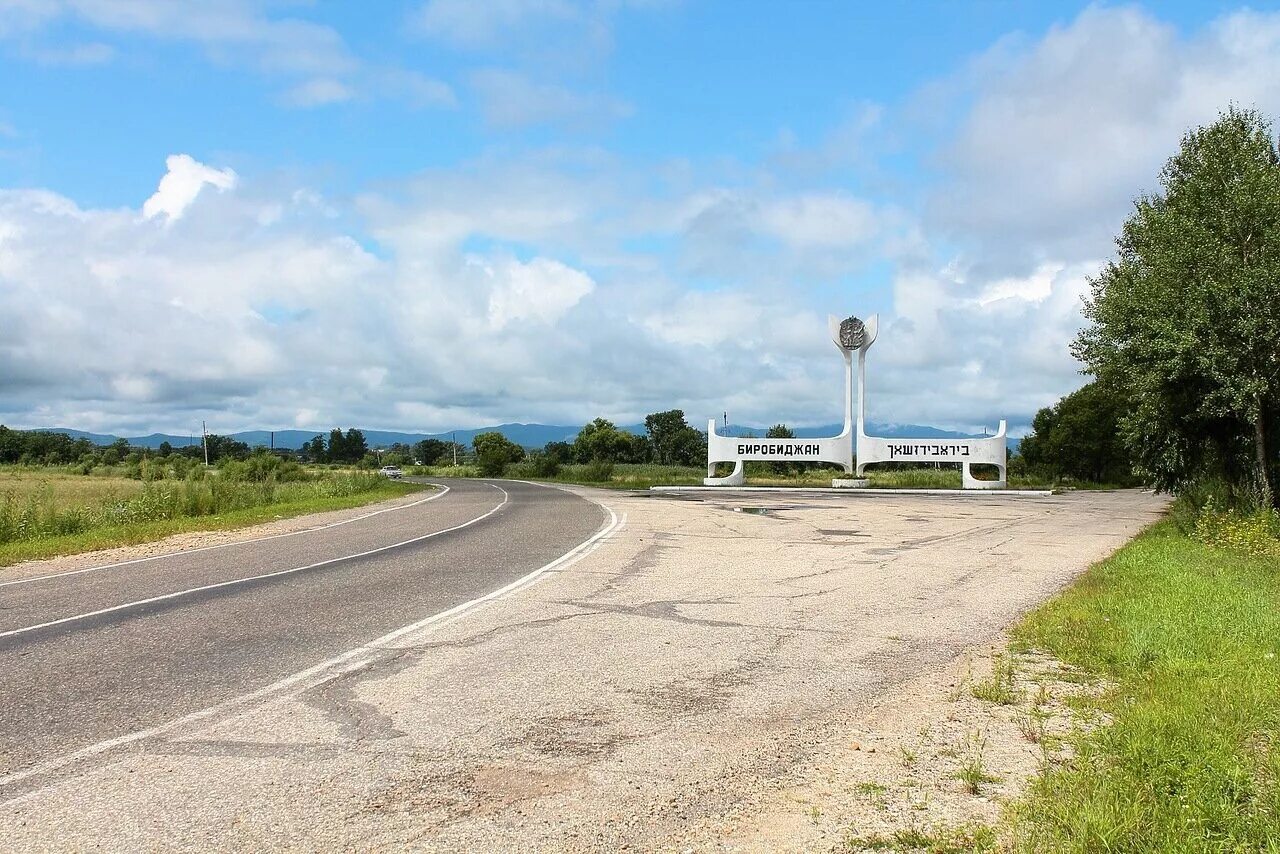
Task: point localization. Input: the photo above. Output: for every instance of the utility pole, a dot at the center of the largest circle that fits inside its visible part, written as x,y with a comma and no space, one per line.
455,448
726,422
204,440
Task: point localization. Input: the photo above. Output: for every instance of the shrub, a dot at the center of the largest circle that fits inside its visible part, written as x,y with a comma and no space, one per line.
598,471
1255,533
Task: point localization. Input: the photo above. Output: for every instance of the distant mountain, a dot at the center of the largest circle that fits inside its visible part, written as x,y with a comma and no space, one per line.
528,435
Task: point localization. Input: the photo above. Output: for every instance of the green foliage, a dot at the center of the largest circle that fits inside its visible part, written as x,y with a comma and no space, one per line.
433,451
224,447
673,441
1187,319
1189,636
597,471
262,466
494,452
1079,437
544,465
602,440
1256,534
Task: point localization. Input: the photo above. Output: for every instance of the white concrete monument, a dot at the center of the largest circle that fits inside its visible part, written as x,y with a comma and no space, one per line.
849,335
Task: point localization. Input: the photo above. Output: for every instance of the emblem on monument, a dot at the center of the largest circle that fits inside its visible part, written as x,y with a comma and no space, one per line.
852,333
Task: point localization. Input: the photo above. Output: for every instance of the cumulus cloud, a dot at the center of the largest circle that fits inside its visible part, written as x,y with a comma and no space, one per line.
1059,134
182,183
541,290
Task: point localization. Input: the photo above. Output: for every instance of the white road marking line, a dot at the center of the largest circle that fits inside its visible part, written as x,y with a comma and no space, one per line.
26,629
433,497
347,662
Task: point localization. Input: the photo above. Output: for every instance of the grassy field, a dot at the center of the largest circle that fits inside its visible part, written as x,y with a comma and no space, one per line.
23,483
49,512
1189,635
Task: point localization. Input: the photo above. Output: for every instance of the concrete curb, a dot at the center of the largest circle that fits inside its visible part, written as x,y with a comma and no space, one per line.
955,493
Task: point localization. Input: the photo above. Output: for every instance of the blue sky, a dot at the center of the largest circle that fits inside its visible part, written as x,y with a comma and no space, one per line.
422,215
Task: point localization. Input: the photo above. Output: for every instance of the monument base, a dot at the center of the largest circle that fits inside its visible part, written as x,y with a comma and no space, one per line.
850,483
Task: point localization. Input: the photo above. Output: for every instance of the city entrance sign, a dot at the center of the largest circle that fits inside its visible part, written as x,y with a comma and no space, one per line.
852,335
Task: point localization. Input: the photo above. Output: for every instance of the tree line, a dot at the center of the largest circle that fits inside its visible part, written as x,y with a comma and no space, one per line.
668,439
1183,334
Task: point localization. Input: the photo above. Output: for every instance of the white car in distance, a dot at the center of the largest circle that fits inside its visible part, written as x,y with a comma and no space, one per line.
392,472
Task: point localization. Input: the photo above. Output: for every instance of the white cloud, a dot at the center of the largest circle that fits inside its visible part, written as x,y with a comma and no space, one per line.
482,25
318,65
1061,133
182,183
512,100
819,220
415,89
541,290
319,92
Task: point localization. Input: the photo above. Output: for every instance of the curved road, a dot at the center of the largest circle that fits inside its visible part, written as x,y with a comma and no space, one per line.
95,655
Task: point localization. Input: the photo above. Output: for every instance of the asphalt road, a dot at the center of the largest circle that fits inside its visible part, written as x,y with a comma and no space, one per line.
95,655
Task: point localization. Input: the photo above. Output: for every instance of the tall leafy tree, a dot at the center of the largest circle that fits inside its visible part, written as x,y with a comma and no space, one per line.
355,446
1186,320
602,440
430,451
494,452
1079,437
337,452
673,441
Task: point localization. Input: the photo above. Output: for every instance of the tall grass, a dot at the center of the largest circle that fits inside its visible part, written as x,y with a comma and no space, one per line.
48,512
1190,636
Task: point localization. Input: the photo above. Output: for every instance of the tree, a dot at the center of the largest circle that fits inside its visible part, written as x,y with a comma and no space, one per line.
337,452
673,441
664,429
782,431
224,446
561,452
494,452
1186,320
1079,437
314,450
601,440
165,449
429,451
354,445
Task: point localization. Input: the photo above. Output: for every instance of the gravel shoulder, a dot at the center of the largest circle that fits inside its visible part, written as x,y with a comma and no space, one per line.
698,681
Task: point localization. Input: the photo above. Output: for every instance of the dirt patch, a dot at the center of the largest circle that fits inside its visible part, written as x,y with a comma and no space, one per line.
934,760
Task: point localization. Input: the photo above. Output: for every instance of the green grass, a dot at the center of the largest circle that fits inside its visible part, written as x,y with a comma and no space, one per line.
999,687
940,839
24,482
45,513
1189,636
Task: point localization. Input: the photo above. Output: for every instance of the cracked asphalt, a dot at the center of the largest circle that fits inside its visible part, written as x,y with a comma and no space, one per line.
104,675
705,651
